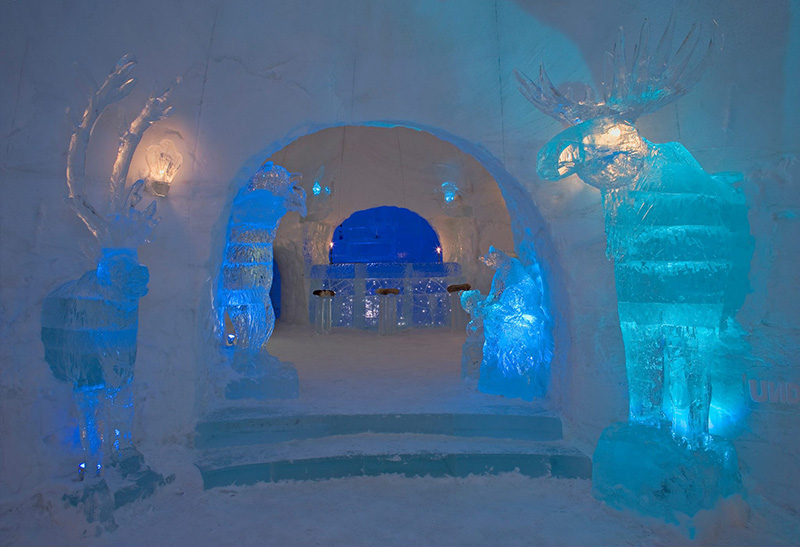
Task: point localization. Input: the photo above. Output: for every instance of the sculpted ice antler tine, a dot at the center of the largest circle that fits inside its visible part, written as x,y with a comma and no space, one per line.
116,87
629,90
156,108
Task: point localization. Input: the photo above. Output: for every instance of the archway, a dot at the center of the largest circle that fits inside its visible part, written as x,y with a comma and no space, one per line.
302,244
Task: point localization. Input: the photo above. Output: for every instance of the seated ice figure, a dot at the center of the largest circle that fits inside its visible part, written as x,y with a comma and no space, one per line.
516,347
245,316
679,238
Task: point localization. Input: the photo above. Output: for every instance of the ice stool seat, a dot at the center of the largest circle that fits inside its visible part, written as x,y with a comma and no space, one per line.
387,310
458,317
323,316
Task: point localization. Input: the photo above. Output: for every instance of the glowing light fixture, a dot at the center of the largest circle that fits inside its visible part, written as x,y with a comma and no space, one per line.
164,160
438,250
450,191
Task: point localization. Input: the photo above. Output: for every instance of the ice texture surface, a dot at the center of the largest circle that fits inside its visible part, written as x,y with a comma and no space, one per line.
244,315
517,347
645,468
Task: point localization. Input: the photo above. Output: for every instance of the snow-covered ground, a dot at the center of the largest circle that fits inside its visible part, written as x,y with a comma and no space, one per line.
507,509
413,372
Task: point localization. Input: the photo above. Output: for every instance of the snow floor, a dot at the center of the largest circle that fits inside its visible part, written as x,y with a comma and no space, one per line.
414,371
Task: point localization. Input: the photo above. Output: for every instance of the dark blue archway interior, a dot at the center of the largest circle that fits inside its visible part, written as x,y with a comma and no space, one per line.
385,234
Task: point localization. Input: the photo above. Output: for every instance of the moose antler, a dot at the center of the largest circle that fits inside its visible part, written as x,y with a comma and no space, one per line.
156,108
629,90
116,87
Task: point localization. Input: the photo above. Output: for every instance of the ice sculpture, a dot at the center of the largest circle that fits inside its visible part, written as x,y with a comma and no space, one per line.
89,325
679,238
516,352
244,310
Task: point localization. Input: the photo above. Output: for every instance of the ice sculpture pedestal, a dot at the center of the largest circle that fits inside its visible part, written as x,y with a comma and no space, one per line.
262,377
127,479
643,467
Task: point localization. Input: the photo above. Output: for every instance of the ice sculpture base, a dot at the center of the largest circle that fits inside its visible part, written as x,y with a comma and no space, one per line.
644,468
265,377
126,479
525,386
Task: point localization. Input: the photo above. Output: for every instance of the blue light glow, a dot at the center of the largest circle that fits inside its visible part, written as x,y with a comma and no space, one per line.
317,188
450,191
385,234
242,297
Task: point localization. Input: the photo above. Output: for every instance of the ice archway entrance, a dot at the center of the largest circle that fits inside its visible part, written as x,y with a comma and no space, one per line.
349,169
463,191
403,390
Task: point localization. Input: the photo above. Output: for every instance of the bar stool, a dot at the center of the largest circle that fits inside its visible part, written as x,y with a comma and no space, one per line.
323,316
387,311
458,317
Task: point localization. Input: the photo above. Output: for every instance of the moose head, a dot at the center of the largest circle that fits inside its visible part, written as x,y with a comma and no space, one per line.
602,145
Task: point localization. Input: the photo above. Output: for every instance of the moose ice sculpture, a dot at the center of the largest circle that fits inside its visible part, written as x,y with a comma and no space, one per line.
89,326
679,238
245,317
508,337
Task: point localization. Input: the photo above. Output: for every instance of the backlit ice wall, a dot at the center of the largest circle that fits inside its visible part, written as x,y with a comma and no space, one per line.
444,67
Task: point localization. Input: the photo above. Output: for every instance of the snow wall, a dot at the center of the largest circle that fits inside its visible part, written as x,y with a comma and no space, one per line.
259,75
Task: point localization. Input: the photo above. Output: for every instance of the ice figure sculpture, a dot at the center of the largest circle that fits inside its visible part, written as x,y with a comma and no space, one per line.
89,333
89,326
517,349
679,238
244,310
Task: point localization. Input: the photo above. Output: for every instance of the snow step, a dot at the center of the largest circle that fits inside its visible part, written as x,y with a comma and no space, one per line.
370,454
235,427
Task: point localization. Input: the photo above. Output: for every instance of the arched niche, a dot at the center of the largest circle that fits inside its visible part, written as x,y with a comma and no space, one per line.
385,234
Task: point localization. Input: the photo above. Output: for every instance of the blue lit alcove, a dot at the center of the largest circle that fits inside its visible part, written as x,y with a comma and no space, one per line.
385,234
387,247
